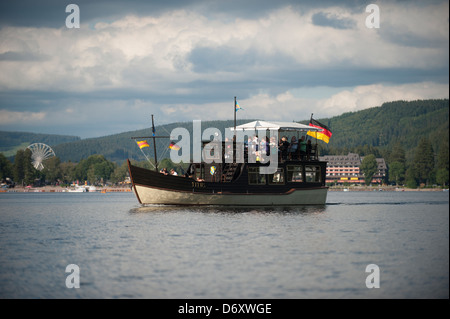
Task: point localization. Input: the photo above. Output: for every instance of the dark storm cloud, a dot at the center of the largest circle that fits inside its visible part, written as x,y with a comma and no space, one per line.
210,60
401,37
325,20
273,82
51,13
22,56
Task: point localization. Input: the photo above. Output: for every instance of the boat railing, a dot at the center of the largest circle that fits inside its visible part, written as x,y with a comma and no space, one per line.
245,153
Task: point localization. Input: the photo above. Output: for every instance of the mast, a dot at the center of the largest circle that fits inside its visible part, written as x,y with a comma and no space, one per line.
235,116
310,121
234,134
154,137
154,144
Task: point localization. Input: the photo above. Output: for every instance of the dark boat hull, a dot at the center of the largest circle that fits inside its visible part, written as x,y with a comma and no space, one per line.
152,187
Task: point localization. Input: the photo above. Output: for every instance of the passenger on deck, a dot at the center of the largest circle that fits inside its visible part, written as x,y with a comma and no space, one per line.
272,146
308,150
258,156
255,143
293,148
248,143
262,146
302,148
283,148
172,172
164,171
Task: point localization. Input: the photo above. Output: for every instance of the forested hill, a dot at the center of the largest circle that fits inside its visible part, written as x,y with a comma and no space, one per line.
10,142
381,127
384,126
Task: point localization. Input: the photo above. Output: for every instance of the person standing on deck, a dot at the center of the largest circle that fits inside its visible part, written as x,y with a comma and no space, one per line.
302,147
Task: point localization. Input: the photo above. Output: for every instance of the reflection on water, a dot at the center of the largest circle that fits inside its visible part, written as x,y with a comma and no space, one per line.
230,209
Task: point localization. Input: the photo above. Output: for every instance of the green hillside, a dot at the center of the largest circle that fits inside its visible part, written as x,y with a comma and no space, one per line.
384,126
11,142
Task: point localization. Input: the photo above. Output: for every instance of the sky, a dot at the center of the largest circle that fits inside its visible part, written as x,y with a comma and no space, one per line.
185,60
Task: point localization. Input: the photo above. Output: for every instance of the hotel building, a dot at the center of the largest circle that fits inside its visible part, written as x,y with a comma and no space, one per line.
346,169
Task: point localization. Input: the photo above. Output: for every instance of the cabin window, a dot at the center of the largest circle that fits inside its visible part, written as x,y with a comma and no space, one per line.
254,177
312,174
294,173
277,178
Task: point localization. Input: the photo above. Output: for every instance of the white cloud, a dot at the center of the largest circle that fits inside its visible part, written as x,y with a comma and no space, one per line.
12,117
149,53
362,97
288,106
102,117
407,21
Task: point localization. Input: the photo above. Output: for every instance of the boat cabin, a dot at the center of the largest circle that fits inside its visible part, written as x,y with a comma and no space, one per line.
229,161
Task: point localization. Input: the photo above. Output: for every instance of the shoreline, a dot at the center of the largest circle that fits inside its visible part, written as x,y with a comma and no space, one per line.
382,189
60,189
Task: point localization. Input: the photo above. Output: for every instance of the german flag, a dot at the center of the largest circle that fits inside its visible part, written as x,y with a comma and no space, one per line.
174,146
323,135
142,144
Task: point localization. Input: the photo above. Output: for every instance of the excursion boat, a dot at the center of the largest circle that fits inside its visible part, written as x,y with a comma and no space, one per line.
233,176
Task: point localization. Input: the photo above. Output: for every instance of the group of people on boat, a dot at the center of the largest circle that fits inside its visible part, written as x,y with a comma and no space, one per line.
293,150
262,148
165,172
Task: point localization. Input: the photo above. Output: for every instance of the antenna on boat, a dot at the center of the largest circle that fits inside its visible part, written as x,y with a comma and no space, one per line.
154,144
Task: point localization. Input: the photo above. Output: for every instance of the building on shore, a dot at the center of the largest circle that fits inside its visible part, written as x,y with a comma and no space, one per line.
346,169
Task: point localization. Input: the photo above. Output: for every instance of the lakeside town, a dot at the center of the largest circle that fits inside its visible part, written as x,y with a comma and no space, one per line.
116,189
343,173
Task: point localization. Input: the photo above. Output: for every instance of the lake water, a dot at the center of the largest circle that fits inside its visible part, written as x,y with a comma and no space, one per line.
127,251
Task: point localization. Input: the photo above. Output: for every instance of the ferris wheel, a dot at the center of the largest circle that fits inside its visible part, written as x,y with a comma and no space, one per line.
39,153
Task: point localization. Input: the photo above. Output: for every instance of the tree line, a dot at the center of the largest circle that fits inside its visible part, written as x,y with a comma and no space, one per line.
393,122
95,169
427,167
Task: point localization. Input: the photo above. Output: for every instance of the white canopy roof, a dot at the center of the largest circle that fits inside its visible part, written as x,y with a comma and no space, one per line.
283,126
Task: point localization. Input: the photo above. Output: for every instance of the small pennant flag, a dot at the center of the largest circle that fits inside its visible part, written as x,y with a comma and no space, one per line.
238,107
174,146
142,144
